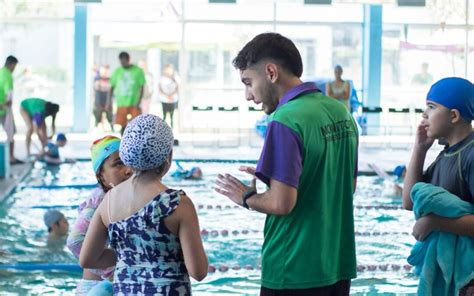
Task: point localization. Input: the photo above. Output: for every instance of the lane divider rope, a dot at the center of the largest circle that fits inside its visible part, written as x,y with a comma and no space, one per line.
225,233
359,207
212,267
78,186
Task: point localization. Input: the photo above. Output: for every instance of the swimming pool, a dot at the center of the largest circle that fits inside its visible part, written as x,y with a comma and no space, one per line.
232,236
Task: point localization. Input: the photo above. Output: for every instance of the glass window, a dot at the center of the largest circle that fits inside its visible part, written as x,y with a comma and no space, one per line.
436,12
335,13
240,11
37,9
414,57
45,69
323,47
470,66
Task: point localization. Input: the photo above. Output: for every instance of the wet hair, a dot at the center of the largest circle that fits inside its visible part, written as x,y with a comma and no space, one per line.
272,46
51,109
124,55
11,60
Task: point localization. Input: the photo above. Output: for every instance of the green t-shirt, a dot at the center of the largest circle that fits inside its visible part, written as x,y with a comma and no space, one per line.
313,246
33,105
6,86
127,83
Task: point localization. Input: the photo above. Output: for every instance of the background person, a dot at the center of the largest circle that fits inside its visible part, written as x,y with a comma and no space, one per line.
194,173
126,88
147,88
339,88
34,112
56,223
6,98
169,92
51,155
101,92
424,77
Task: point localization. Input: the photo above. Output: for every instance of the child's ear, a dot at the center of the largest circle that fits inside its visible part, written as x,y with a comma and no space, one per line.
455,116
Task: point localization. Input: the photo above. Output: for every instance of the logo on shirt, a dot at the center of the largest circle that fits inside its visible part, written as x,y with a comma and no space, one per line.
339,130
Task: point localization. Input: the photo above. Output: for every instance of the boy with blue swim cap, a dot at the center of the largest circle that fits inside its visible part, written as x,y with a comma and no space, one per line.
400,171
448,116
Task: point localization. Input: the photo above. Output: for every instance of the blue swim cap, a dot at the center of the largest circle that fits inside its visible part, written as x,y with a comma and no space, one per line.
398,171
454,93
61,137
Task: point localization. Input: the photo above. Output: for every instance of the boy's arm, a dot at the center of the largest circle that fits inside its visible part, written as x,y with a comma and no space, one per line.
414,175
460,226
415,167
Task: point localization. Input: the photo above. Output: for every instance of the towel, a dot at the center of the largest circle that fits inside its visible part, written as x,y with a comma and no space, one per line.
444,261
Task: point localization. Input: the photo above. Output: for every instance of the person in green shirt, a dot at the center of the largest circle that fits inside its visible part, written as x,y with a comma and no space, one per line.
34,112
127,89
309,164
6,97
424,77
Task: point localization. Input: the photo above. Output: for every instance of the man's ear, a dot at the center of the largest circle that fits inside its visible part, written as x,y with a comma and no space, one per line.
455,115
271,70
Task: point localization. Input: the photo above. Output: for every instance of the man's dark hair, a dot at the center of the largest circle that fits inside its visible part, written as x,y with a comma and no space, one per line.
271,46
124,55
11,60
50,109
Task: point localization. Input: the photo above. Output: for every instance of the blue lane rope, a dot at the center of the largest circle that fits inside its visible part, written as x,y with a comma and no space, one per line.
212,267
41,266
359,207
79,186
55,207
225,232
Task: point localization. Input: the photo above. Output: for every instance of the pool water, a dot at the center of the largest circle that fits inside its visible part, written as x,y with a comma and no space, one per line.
232,236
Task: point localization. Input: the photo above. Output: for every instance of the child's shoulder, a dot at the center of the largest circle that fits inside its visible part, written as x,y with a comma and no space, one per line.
94,199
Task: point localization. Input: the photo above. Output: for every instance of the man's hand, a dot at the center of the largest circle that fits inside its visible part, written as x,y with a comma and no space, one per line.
423,227
231,187
248,169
